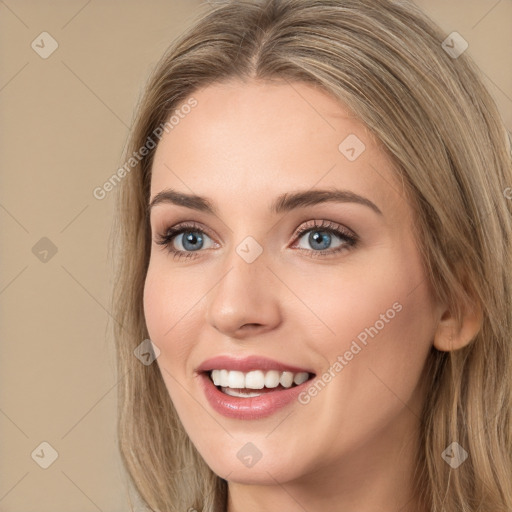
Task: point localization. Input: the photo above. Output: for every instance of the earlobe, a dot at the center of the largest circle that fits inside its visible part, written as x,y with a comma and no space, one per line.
452,334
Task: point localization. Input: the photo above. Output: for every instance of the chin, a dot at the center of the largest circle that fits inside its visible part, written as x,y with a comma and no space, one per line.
265,471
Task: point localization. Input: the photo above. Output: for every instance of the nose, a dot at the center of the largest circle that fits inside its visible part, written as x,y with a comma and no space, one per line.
245,301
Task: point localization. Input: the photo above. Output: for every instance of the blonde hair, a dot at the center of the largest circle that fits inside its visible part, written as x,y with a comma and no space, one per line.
384,60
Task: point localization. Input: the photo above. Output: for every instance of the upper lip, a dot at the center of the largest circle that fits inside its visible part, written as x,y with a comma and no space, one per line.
246,364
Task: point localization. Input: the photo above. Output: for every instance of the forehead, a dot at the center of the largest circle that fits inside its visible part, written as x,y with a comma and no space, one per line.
255,139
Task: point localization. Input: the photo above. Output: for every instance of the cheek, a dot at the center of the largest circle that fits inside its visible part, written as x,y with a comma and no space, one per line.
171,311
366,290
380,301
382,325
155,314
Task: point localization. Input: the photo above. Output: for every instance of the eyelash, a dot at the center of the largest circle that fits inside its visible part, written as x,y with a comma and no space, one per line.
349,238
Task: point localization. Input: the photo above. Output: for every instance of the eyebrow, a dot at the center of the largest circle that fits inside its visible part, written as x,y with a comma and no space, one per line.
283,203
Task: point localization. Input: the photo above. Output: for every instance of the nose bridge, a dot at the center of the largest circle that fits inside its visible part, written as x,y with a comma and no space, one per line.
245,294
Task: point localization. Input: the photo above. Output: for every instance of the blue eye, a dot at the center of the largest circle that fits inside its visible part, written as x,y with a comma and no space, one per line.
321,235
192,240
320,239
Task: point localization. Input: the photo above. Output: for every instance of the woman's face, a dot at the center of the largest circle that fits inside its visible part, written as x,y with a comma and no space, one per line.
280,283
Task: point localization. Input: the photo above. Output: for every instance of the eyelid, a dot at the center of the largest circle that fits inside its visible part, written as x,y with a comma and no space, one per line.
305,226
326,225
182,226
348,237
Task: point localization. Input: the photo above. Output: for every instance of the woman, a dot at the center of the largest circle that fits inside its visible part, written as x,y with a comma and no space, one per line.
316,237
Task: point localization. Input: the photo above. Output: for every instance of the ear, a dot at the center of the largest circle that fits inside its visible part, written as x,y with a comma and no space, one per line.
453,333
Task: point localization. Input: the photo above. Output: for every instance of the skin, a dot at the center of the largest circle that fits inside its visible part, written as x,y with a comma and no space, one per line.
352,447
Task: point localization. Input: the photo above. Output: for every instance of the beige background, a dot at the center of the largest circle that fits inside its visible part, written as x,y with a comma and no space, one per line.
64,121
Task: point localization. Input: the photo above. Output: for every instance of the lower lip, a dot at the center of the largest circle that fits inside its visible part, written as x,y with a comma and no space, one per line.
251,408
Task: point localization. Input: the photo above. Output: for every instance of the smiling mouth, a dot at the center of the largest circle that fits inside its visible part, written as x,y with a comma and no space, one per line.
256,382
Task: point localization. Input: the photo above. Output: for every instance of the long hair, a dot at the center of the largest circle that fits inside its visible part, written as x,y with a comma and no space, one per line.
386,62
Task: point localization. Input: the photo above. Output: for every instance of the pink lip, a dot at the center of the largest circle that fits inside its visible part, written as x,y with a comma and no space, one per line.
247,364
254,407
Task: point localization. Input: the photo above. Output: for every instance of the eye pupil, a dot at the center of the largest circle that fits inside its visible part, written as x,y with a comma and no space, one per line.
192,238
315,236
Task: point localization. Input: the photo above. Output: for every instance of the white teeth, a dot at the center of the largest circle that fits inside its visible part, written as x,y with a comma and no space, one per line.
233,392
224,378
272,379
256,379
236,380
300,378
286,379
